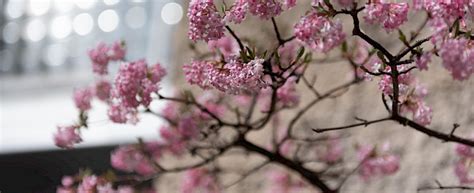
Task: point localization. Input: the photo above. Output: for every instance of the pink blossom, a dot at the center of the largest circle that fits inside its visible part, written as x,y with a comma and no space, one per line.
319,32
226,46
235,77
361,57
404,81
118,113
100,59
440,30
211,102
281,182
65,190
457,56
390,15
125,189
287,94
199,180
265,9
82,98
105,188
173,139
67,181
237,12
423,114
88,184
102,89
448,10
464,151
377,163
103,53
117,51
134,85
345,3
198,72
156,73
67,136
423,60
170,111
289,3
412,101
129,158
462,169
334,150
205,23
287,53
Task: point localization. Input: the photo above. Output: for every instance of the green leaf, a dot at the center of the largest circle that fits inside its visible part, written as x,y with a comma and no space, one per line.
300,53
402,37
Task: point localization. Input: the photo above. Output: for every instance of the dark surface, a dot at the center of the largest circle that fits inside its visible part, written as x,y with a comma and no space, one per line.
42,171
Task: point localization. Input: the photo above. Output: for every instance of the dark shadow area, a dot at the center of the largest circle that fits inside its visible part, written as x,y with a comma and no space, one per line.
41,172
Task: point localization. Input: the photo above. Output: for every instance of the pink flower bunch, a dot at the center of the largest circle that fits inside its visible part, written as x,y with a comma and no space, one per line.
287,95
179,137
422,61
205,23
448,10
264,9
67,136
199,180
102,89
132,159
287,53
457,56
333,150
82,98
411,95
319,32
134,85
89,184
103,53
404,81
281,182
390,15
375,163
362,58
226,46
463,166
235,77
237,12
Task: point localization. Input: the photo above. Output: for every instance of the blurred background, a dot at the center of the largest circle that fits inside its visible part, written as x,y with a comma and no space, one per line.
43,57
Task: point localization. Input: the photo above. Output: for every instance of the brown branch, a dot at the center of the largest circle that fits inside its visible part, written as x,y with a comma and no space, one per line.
365,124
307,174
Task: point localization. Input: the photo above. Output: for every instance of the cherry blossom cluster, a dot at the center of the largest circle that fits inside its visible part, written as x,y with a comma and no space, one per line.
234,77
133,86
282,182
199,180
463,166
205,23
319,32
389,15
411,93
103,54
375,163
184,128
264,9
93,183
